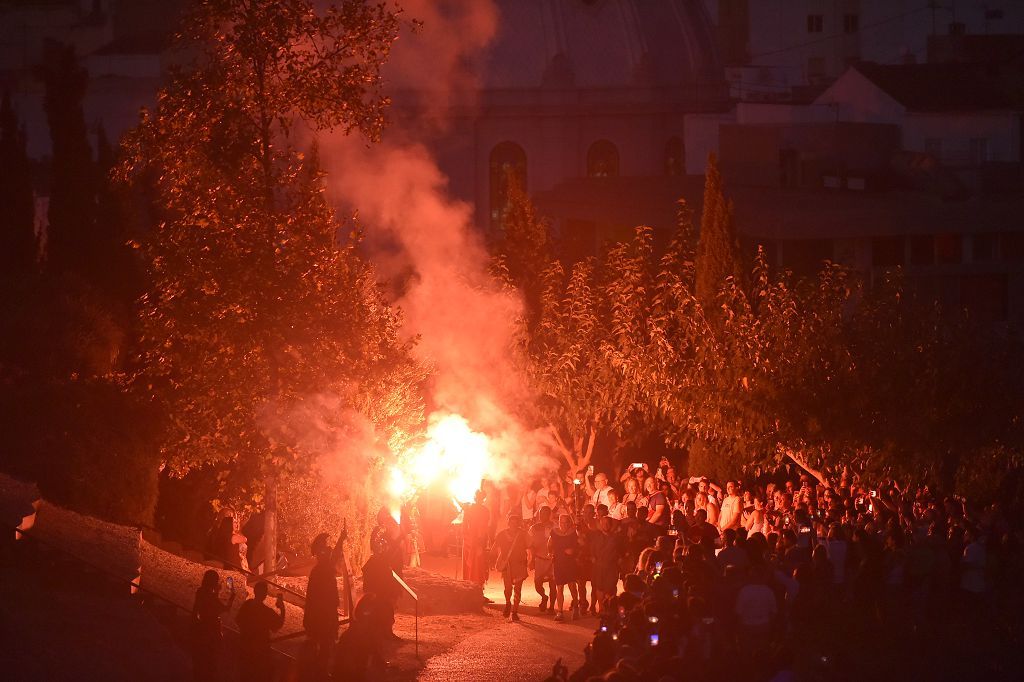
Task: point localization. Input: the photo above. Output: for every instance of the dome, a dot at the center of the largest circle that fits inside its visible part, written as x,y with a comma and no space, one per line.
601,44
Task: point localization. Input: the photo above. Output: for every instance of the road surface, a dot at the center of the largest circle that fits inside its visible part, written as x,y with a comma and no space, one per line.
511,651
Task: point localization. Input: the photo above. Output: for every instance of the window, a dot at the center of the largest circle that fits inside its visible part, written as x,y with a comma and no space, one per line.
507,164
979,150
851,23
675,163
922,250
949,249
1012,247
887,252
983,247
815,23
602,160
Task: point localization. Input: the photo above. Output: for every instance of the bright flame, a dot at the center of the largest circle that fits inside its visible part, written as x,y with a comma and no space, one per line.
453,454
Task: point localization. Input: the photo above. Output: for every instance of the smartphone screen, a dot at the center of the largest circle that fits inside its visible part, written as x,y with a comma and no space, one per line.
654,639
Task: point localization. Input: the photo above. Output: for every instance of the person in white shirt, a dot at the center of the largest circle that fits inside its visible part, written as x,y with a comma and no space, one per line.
597,489
731,508
616,509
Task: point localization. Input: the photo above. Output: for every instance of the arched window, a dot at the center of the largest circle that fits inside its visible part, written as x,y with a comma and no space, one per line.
507,162
602,160
675,161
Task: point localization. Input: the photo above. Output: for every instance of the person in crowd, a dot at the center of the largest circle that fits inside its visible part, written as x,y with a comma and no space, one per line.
206,627
616,509
539,557
633,493
597,488
510,549
564,546
732,508
256,621
226,543
528,506
475,540
605,546
658,509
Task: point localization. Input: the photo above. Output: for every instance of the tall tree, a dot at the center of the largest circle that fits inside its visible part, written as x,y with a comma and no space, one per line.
72,208
718,249
18,244
255,305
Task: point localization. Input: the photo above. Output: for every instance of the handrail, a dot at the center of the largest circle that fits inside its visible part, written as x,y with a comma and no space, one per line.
228,565
238,569
130,581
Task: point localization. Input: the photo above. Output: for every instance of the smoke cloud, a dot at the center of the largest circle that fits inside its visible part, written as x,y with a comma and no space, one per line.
425,240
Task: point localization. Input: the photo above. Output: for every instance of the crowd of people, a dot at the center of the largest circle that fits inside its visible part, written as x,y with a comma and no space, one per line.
679,575
683,574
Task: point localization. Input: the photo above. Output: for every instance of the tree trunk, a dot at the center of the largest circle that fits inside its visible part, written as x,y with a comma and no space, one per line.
270,527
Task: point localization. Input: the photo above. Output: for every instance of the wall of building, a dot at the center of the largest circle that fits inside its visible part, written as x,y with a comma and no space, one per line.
959,136
702,138
853,97
888,31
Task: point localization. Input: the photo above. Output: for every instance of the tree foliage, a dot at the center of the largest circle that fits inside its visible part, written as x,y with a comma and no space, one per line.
258,307
747,370
718,248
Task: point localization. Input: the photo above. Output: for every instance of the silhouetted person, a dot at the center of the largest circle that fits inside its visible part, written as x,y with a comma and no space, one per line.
256,621
510,547
359,647
321,615
476,522
379,581
206,634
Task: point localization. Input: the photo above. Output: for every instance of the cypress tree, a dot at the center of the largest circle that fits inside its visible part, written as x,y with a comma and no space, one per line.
114,267
525,245
718,249
72,211
18,246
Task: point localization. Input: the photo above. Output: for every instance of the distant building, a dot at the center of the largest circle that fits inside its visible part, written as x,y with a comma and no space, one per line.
775,49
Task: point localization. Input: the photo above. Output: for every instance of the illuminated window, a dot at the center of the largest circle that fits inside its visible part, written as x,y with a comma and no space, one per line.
602,160
675,162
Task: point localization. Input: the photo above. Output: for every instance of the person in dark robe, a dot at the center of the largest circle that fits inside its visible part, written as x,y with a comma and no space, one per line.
379,581
320,618
475,529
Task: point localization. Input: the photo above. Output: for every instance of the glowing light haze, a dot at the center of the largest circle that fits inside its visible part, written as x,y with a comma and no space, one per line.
421,237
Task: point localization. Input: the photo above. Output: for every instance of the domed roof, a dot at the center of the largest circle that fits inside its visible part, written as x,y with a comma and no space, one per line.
601,44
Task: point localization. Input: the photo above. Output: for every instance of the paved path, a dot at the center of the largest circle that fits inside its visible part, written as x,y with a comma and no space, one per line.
513,651
523,651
